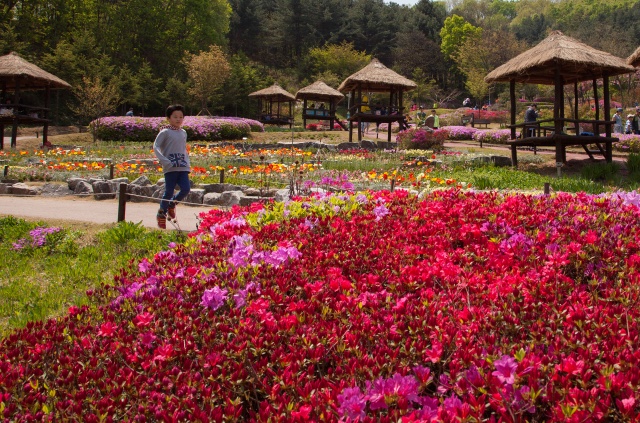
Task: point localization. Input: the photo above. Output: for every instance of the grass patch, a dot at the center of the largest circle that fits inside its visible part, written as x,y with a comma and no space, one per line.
42,274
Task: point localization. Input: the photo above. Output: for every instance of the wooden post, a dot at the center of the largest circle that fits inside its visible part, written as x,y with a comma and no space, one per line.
111,167
1,137
6,171
557,121
514,156
16,101
595,99
222,176
575,106
546,188
304,113
607,105
393,184
512,99
122,201
45,115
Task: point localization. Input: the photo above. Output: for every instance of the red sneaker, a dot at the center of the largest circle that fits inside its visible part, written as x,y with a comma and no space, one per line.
161,217
171,211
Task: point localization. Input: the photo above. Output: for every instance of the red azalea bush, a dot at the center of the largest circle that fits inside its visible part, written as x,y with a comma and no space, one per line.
422,139
372,307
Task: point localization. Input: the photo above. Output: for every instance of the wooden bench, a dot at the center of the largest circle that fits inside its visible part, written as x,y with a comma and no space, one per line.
480,122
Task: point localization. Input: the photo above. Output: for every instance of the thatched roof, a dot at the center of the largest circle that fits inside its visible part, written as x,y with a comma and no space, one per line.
634,59
318,91
376,77
576,61
14,69
275,93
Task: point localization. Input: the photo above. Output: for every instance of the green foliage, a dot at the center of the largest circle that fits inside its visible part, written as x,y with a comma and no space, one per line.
454,33
340,59
633,163
39,283
600,171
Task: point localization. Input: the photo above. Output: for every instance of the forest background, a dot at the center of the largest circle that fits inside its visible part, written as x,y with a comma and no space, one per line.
146,54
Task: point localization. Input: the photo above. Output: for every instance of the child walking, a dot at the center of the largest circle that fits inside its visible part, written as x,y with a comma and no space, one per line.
170,147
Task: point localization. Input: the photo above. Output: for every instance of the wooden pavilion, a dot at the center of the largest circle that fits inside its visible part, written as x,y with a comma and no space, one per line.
375,78
319,93
634,59
18,75
278,115
559,60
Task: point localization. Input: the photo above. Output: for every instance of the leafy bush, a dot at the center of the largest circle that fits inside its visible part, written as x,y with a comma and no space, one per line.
633,163
119,128
628,143
422,139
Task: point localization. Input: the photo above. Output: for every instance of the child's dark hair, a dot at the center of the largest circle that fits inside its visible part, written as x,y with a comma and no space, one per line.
173,108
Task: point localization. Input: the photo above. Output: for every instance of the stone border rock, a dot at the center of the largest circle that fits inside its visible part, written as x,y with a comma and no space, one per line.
222,195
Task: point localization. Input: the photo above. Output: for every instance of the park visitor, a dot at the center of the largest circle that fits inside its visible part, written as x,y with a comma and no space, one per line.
628,127
617,118
635,124
421,116
130,112
531,115
436,119
170,147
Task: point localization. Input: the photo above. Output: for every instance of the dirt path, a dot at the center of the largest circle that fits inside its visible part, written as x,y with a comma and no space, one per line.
89,210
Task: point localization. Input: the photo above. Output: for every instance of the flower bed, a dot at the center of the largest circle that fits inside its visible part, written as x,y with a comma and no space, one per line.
460,133
422,139
119,128
376,307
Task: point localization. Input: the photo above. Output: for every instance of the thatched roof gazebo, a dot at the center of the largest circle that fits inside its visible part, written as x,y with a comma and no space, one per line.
16,75
269,96
634,59
322,93
375,78
560,60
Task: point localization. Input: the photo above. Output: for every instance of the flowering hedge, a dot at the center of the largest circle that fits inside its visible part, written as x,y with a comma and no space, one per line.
460,132
422,139
199,128
371,307
628,142
494,136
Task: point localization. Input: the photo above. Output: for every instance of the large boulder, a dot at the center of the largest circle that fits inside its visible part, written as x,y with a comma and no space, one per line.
55,190
369,145
4,188
212,199
257,192
22,189
220,188
230,198
142,181
195,196
73,182
140,193
83,188
103,190
282,195
115,183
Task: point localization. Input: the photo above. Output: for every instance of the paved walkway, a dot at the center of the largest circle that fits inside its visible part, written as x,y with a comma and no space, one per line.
90,210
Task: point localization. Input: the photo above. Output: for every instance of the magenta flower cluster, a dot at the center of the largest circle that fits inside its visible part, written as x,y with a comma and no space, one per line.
37,238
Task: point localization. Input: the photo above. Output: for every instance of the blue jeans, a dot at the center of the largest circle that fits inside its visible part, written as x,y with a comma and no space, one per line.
171,179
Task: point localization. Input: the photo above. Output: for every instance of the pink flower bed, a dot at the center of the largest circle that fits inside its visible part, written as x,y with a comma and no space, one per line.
369,307
199,128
